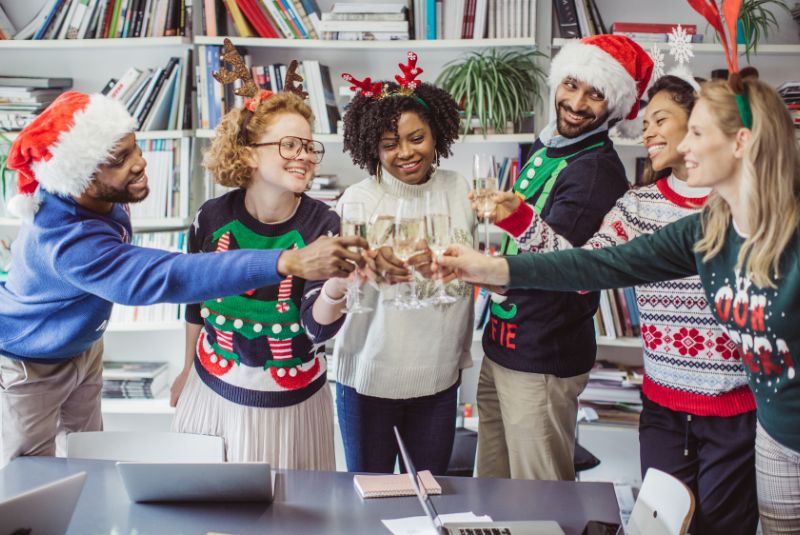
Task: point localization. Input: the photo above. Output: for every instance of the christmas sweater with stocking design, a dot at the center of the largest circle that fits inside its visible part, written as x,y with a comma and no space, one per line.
71,265
572,187
762,322
691,365
261,348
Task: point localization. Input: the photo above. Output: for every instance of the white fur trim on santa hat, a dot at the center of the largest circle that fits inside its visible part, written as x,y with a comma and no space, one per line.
79,151
593,65
23,206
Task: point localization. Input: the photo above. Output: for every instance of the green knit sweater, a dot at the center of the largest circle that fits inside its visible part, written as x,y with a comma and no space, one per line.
762,321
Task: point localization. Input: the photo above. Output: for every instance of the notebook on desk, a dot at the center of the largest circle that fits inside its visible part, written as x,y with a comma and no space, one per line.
197,482
384,486
472,528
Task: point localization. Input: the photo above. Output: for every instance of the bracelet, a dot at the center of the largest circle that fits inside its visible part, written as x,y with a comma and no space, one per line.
327,299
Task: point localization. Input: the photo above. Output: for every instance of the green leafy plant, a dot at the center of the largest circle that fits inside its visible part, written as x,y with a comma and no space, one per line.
756,18
494,86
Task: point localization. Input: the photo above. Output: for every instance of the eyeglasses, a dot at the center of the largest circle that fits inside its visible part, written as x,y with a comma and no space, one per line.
289,148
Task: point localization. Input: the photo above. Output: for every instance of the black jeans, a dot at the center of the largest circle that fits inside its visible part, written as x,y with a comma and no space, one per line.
427,425
714,456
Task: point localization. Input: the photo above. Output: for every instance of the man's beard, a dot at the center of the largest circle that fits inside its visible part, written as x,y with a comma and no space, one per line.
109,194
568,131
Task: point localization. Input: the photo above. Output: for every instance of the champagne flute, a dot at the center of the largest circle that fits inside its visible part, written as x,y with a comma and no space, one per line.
484,184
409,228
354,223
440,235
380,234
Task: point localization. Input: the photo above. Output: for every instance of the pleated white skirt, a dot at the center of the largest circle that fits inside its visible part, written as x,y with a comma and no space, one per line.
295,437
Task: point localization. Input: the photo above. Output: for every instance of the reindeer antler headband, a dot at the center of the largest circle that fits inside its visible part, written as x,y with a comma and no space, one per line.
239,71
378,90
730,10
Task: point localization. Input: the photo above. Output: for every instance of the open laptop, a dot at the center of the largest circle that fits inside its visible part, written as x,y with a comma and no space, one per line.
44,510
471,528
197,482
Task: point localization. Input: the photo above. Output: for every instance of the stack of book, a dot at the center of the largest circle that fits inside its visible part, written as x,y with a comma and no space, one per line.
618,314
288,19
23,98
325,188
134,380
216,100
790,92
651,32
614,391
102,19
159,99
364,21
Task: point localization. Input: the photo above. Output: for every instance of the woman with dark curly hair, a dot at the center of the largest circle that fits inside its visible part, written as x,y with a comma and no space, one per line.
402,367
255,369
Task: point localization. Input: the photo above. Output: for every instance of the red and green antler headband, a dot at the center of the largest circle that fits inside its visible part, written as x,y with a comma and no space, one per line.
379,90
730,9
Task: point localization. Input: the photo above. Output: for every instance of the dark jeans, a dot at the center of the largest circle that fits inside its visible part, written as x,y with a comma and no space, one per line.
427,425
719,467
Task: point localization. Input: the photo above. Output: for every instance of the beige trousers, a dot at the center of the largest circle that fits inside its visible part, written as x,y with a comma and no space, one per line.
38,401
526,427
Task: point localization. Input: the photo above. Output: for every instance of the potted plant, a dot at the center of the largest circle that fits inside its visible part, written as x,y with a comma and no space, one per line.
756,18
494,86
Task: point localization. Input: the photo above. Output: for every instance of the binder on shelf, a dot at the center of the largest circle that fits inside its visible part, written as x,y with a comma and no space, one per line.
567,18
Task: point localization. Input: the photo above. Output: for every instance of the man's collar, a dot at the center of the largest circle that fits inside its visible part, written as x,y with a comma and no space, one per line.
550,137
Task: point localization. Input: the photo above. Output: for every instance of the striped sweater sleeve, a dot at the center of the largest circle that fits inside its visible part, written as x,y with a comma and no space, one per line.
534,235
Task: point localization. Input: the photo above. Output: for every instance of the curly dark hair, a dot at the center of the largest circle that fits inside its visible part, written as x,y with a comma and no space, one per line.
367,119
682,94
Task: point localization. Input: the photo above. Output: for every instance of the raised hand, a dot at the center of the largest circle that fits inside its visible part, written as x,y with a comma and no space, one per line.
469,265
324,258
505,204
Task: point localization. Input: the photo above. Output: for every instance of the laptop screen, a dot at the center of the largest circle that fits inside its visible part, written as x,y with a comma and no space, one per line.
419,488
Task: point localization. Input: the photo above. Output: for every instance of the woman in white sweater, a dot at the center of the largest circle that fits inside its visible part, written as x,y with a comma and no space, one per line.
402,367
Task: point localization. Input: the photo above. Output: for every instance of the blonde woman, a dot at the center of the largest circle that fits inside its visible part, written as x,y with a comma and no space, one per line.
744,245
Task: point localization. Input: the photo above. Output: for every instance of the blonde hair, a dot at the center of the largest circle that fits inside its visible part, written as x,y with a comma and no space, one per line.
228,157
770,178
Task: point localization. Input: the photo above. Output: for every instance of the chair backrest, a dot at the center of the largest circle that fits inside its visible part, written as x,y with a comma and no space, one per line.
664,506
145,446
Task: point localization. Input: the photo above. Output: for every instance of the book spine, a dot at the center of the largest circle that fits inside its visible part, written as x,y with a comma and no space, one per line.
567,18
290,20
651,27
48,20
277,18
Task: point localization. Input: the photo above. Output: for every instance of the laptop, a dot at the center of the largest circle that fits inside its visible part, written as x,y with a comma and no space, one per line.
533,527
197,482
47,509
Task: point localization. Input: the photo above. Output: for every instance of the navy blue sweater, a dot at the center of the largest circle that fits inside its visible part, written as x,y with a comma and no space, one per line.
551,332
71,264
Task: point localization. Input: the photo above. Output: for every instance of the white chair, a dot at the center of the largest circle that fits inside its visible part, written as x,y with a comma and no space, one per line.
664,506
145,446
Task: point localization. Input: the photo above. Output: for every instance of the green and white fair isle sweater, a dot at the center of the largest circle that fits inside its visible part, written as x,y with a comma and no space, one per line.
763,322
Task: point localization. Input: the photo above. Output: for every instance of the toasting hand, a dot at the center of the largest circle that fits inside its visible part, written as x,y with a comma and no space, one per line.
324,258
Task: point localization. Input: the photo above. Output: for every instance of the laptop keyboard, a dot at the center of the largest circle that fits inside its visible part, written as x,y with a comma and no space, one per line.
484,531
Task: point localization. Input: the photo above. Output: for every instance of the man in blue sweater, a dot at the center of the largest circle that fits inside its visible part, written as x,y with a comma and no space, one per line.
78,166
540,345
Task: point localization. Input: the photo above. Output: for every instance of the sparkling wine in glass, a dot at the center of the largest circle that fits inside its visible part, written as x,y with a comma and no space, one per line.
484,184
439,232
354,223
408,230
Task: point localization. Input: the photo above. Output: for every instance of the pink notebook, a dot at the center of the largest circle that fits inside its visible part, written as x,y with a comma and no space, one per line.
383,486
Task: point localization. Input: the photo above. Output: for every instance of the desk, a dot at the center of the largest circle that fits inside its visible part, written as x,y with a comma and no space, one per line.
307,503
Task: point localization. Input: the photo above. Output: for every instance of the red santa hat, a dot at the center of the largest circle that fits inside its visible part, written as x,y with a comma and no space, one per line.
613,64
62,148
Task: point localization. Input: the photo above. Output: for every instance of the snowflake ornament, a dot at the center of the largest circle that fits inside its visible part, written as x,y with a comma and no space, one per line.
680,45
658,62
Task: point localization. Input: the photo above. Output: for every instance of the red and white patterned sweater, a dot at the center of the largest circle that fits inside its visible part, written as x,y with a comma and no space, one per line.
690,363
